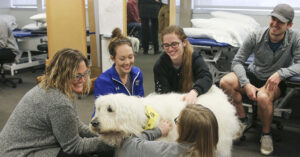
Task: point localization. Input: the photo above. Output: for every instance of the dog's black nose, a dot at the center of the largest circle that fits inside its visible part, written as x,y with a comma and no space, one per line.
95,123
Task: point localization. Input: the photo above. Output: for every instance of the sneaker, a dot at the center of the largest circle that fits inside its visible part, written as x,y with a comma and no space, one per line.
266,147
240,133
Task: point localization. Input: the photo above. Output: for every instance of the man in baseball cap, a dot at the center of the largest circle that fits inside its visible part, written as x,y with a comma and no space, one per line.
274,48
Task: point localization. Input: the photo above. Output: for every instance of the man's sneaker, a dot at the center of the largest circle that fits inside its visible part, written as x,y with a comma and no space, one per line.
243,127
266,147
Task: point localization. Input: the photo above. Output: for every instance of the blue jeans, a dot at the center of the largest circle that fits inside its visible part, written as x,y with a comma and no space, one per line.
134,29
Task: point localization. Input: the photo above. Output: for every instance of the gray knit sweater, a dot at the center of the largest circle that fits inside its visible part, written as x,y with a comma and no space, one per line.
43,123
145,146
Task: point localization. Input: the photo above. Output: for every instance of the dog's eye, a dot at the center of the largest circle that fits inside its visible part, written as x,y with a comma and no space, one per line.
109,109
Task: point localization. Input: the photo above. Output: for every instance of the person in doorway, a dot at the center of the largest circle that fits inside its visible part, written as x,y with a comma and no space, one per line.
148,11
134,26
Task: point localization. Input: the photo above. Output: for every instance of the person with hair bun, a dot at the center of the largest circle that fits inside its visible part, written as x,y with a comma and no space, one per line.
122,77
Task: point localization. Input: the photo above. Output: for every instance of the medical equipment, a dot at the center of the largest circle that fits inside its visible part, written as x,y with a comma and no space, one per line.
29,60
217,55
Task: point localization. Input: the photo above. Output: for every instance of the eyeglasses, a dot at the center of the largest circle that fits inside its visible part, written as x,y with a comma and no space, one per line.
80,76
173,45
175,120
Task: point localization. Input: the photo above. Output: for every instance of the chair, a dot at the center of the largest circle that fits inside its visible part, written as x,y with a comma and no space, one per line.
254,121
43,48
6,58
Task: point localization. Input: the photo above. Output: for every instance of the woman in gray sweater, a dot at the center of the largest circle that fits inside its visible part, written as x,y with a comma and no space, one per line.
45,122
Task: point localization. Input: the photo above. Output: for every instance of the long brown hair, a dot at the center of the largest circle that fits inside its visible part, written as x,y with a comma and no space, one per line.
117,39
187,71
60,72
198,126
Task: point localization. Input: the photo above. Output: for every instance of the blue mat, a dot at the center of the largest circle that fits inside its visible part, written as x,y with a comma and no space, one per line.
207,42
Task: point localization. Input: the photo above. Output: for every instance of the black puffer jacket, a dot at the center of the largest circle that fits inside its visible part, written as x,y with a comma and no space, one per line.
148,8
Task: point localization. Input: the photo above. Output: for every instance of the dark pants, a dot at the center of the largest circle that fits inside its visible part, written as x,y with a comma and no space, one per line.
146,33
134,29
6,56
260,83
102,154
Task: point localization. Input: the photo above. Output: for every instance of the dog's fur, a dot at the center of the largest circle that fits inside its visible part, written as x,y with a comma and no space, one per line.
121,116
135,43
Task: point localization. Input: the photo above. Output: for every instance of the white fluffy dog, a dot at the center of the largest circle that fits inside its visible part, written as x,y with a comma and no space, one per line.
135,43
118,116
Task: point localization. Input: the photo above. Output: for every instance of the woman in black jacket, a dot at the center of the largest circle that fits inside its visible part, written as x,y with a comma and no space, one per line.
180,69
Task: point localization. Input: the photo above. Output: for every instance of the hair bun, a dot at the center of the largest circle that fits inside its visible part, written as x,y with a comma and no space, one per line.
116,33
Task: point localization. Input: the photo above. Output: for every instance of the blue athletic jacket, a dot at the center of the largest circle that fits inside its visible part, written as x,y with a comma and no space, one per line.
110,82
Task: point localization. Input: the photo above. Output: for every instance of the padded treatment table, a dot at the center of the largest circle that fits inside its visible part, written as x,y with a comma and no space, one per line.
28,60
217,55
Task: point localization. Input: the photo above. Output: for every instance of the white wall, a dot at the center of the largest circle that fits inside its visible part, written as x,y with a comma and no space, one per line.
263,20
4,5
22,16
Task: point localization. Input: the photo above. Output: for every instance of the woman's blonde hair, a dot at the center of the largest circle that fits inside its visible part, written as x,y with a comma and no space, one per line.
198,126
187,71
61,71
117,39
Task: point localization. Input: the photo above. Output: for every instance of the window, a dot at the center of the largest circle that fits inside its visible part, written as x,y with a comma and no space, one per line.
254,6
23,3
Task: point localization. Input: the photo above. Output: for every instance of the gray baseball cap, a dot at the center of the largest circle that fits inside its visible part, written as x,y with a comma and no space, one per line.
283,12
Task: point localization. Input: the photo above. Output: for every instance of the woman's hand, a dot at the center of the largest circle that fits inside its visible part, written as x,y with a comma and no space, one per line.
165,126
191,97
